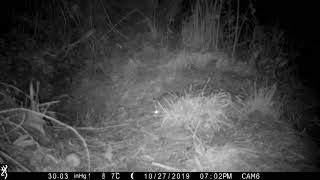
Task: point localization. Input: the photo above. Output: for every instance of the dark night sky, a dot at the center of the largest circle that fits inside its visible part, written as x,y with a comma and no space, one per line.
298,18
301,21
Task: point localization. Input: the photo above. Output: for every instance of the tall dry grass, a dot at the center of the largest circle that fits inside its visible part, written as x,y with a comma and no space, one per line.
201,30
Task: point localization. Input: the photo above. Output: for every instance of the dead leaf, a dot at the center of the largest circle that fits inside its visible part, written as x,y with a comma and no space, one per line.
108,154
24,141
35,121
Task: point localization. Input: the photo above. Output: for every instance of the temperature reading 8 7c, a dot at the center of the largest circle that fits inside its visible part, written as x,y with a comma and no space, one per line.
115,175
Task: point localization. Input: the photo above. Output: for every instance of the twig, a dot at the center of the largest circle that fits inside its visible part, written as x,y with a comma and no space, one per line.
69,47
237,30
5,134
15,88
110,22
165,167
101,128
113,28
14,161
16,125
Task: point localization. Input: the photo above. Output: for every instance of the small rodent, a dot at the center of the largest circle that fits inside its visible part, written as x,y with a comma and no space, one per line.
163,101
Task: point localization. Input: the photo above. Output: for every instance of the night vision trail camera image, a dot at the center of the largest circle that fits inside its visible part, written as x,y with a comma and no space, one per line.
159,86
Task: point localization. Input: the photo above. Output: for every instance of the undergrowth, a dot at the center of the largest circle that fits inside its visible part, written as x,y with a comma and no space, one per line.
96,86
